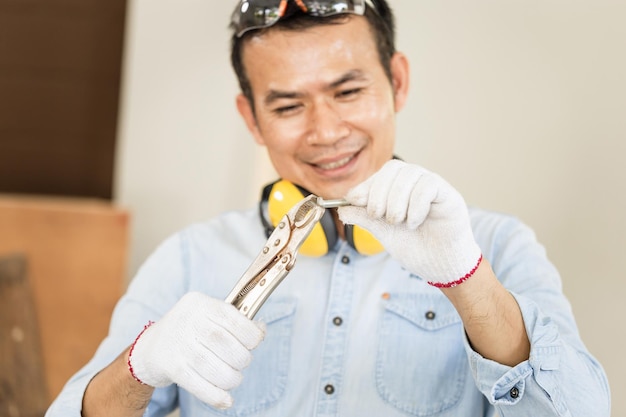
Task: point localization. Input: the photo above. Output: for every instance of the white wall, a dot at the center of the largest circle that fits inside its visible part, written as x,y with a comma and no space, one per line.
519,104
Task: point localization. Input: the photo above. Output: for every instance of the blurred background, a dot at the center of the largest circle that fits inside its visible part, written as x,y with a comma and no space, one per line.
124,111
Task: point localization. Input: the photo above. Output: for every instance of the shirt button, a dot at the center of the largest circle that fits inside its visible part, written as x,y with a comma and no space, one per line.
345,259
514,392
329,389
430,315
337,321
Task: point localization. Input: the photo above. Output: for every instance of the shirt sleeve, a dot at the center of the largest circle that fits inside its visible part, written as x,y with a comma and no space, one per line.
560,378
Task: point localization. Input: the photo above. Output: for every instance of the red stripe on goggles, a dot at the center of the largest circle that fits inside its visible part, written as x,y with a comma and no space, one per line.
258,14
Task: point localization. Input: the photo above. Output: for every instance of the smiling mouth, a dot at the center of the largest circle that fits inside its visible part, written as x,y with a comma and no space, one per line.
336,164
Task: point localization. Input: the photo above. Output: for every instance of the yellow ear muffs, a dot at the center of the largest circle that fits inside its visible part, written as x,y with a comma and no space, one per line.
362,240
280,196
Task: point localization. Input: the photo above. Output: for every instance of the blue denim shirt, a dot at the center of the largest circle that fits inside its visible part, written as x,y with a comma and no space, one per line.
349,335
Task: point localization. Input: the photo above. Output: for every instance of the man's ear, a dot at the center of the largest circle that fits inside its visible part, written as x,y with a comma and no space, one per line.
400,77
245,110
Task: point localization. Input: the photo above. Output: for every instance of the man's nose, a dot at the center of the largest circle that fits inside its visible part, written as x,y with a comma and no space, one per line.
326,126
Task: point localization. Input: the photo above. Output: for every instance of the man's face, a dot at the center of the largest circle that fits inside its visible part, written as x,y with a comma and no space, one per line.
325,108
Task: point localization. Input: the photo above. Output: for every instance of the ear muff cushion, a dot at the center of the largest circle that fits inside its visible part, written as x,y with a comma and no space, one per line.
282,197
365,242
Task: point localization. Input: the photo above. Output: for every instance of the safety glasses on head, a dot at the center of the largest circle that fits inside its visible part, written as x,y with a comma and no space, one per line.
258,14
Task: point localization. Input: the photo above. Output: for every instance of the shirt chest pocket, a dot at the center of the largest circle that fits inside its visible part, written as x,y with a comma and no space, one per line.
421,365
266,378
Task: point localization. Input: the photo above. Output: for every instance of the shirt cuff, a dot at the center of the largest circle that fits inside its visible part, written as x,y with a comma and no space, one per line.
70,404
506,385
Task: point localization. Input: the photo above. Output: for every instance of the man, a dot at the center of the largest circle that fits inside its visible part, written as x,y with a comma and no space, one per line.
462,314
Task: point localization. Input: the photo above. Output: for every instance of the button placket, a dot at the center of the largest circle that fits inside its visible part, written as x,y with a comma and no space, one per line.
335,336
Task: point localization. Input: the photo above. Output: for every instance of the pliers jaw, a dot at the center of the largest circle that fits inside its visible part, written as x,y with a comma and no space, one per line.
277,256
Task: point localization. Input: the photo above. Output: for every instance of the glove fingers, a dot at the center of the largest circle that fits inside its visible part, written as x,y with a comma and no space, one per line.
400,193
352,215
358,195
358,216
206,392
421,200
213,369
443,199
249,333
226,347
381,185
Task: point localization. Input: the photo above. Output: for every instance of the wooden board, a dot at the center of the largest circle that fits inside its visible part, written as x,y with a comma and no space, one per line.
77,253
60,68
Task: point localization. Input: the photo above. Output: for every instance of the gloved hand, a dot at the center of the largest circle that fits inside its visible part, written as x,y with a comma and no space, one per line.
420,220
201,344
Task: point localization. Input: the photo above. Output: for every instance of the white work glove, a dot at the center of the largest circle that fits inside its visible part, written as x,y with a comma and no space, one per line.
202,344
420,219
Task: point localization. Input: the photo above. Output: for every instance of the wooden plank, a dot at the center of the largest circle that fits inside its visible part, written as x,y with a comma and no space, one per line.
22,384
77,253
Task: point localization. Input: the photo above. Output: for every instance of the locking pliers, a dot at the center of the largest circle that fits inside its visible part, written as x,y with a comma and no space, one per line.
278,256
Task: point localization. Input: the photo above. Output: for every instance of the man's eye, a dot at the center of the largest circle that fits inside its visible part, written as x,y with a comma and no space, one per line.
286,109
349,93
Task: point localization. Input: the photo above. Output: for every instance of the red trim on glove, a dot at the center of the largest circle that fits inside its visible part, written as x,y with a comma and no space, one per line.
460,280
130,352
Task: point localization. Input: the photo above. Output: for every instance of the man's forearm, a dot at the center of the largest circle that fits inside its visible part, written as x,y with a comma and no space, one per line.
491,316
113,392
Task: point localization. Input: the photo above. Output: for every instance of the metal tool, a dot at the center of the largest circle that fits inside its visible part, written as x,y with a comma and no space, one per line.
278,255
338,202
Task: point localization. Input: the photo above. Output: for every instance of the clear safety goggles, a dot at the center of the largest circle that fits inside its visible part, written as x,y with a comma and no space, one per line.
258,14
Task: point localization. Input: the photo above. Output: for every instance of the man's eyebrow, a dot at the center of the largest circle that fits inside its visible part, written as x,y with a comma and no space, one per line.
274,95
347,77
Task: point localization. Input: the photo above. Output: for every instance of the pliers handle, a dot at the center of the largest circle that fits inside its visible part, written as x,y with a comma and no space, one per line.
277,257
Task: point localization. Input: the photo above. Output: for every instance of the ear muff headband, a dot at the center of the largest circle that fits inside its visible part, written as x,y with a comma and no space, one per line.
279,197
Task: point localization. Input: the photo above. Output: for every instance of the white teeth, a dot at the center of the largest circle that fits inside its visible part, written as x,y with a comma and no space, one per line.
337,164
